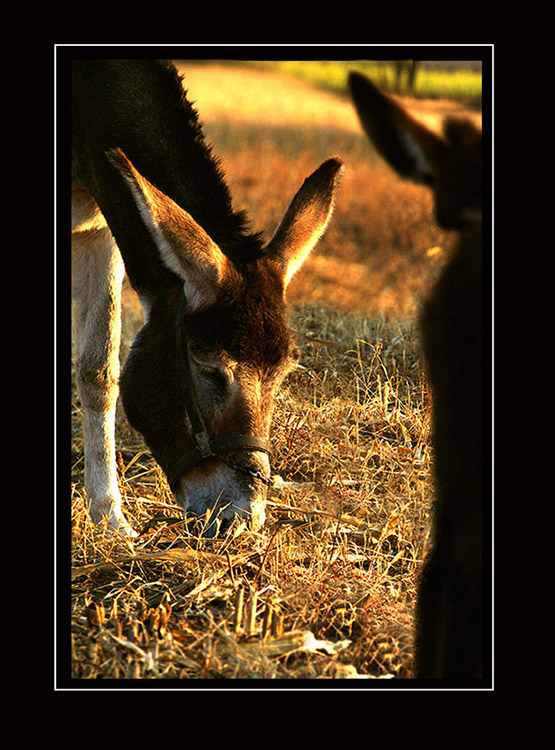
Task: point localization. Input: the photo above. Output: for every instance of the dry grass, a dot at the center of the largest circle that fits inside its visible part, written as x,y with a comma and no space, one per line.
338,556
327,588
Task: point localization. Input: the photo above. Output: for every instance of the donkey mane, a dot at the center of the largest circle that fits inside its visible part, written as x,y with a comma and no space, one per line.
158,97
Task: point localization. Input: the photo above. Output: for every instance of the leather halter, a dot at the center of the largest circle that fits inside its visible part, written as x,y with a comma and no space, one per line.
205,446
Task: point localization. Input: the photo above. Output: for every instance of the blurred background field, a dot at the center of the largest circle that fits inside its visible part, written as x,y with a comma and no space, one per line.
459,81
342,549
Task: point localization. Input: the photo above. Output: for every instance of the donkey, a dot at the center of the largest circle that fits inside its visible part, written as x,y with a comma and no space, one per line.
449,608
150,199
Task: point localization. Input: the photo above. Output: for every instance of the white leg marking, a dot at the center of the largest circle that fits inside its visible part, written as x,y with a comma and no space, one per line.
97,275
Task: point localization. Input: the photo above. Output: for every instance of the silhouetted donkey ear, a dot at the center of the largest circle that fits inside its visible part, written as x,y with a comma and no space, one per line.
306,219
184,246
408,146
420,155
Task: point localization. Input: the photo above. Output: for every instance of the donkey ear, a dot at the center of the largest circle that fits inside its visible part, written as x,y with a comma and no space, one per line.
184,246
408,146
306,219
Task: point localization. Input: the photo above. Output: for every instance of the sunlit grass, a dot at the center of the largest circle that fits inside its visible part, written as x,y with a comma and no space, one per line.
338,559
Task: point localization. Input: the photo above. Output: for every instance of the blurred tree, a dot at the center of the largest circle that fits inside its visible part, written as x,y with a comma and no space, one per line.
409,68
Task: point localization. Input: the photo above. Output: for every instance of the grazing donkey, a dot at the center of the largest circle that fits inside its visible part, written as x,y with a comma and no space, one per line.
200,380
449,611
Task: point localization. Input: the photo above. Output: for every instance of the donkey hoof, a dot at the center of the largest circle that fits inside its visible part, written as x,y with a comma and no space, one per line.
122,527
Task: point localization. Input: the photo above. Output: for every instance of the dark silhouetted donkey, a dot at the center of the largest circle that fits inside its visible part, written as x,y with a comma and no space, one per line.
199,383
449,611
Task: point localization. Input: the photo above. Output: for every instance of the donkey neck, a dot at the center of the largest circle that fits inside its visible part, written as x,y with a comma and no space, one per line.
141,107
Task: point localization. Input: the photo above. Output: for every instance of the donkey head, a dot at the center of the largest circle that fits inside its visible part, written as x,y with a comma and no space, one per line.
202,374
451,165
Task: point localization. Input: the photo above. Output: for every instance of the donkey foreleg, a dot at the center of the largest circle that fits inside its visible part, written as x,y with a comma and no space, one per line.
97,275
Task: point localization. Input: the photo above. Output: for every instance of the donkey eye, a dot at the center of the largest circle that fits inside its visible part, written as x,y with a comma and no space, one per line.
216,374
207,369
